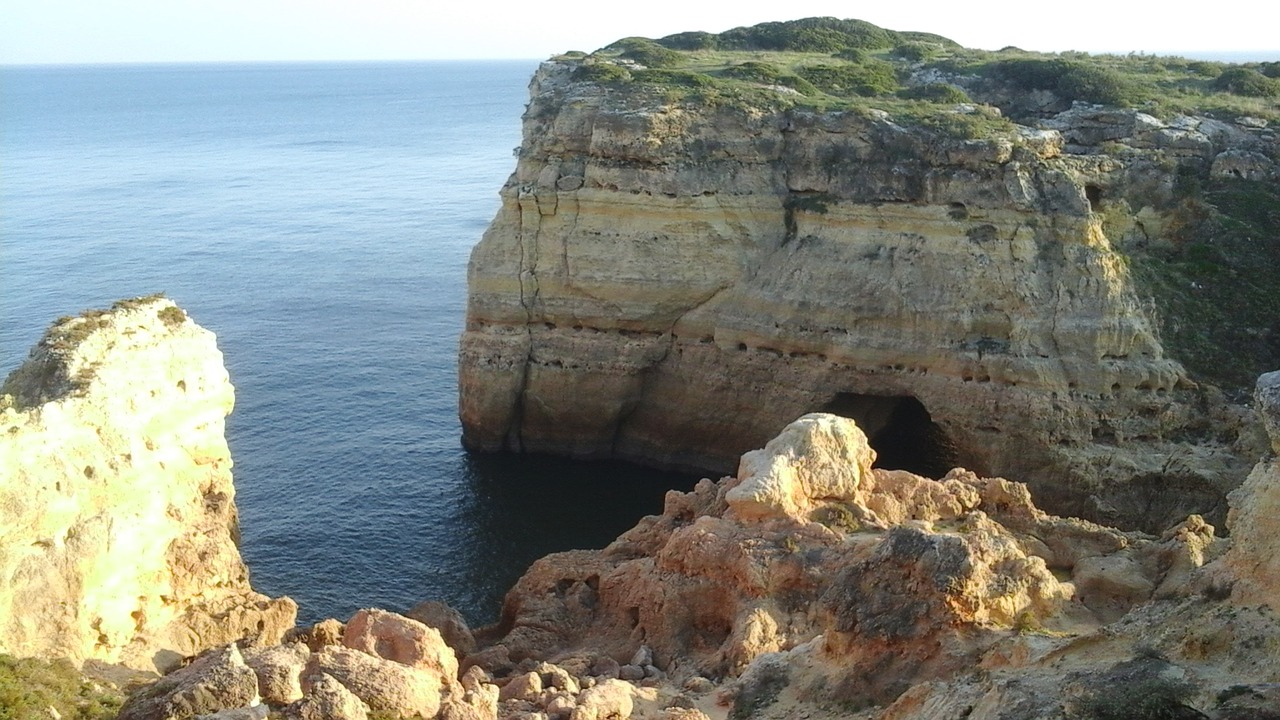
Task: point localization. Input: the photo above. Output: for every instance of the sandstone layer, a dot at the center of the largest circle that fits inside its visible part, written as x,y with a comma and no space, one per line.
118,525
671,284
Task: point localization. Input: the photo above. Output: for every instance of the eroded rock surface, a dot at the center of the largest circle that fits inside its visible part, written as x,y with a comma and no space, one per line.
1255,512
118,524
672,285
814,585
897,596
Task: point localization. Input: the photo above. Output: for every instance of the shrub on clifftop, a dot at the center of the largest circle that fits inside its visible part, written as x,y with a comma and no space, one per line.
647,52
1068,79
867,79
1247,82
817,34
601,73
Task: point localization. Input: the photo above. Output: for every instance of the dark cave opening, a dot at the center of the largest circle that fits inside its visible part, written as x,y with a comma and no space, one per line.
901,431
1093,194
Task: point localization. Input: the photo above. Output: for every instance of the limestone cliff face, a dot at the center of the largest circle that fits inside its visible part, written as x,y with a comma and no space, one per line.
672,284
118,523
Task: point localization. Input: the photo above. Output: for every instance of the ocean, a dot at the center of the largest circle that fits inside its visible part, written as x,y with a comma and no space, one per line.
318,218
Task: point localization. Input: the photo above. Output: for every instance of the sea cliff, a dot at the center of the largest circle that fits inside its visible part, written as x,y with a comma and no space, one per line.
670,282
118,529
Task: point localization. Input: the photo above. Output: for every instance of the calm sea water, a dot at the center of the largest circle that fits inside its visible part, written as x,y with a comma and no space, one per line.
318,218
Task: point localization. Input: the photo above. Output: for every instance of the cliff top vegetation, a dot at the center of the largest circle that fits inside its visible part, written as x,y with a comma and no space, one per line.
831,63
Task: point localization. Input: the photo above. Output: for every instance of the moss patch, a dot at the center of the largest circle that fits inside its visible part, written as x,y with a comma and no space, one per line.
29,688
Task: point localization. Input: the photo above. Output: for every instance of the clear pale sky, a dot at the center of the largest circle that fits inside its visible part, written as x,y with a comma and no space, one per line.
91,31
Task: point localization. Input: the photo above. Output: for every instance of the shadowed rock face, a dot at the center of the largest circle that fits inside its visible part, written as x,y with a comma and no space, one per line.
118,522
671,285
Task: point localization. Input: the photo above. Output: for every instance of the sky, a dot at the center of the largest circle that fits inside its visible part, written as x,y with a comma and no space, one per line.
113,31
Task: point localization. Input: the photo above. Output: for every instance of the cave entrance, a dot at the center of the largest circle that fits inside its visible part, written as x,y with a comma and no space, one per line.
901,431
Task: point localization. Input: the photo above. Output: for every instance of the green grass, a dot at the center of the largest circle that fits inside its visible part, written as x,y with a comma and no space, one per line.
28,688
831,64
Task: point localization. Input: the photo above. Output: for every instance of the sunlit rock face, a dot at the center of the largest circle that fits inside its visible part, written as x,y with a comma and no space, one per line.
860,585
671,285
1255,512
118,524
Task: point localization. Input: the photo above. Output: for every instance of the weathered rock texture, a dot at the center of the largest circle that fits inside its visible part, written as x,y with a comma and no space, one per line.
812,585
671,285
117,516
384,664
1255,512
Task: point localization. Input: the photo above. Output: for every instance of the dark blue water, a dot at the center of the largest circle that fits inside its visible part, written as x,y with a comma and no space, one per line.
318,218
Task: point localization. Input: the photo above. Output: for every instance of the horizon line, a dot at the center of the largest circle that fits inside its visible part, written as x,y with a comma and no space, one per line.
1273,54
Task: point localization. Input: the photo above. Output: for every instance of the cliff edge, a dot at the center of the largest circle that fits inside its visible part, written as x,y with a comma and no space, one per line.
118,524
669,281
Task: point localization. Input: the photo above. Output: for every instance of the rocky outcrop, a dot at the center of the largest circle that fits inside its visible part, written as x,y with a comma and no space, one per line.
1255,513
118,522
381,664
813,581
672,283
876,561
813,584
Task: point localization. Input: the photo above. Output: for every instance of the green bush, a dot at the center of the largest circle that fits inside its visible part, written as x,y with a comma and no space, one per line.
964,126
935,93
754,71
854,55
867,79
915,51
673,78
799,84
1270,69
817,34
1247,82
647,52
1068,79
689,41
601,73
1204,68
930,38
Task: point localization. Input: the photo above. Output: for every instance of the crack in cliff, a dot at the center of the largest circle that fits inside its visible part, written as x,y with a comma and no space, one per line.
647,373
514,436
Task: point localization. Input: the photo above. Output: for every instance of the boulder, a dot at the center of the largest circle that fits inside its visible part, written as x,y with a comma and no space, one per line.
452,626
279,669
327,699
325,632
384,685
814,458
522,687
217,680
610,700
399,639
